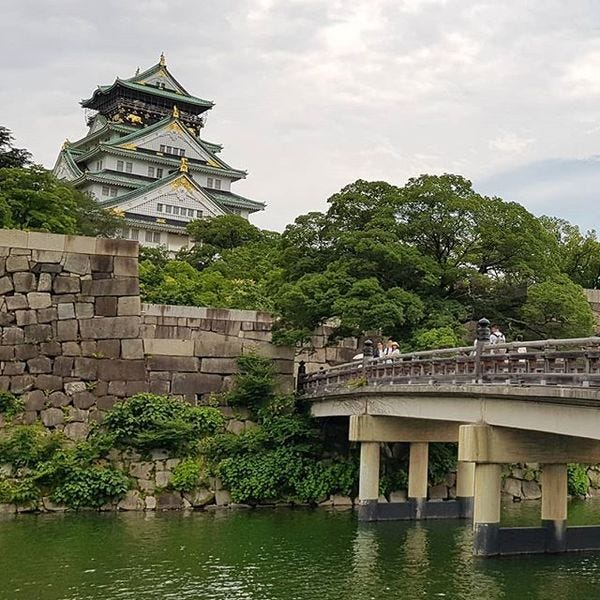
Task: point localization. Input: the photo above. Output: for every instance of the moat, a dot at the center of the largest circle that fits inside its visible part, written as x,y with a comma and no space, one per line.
276,554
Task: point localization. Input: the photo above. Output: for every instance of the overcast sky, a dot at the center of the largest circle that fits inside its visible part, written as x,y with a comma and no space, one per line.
313,94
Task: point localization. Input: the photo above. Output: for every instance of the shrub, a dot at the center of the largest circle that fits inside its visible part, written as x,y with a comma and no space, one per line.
10,405
186,476
28,445
148,421
90,486
254,385
578,481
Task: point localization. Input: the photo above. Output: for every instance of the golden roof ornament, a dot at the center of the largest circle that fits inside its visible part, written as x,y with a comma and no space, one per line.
137,71
175,111
162,62
183,165
66,143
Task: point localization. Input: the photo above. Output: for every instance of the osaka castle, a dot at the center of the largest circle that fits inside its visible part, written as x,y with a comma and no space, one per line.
145,158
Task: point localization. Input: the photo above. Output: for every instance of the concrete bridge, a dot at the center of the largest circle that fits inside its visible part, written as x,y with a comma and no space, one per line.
521,402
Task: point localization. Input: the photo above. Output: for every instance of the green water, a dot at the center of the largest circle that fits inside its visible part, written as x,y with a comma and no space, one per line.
276,555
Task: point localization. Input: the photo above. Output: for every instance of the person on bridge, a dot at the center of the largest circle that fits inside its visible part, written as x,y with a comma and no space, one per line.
497,337
379,350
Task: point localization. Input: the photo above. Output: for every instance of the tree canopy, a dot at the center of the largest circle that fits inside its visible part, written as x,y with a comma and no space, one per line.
32,198
416,262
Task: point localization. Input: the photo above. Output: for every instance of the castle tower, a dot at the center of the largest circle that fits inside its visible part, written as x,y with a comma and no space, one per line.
143,156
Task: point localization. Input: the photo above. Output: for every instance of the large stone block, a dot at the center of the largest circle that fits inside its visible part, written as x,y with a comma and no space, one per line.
111,287
39,300
84,400
58,399
51,417
77,263
129,305
67,331
124,370
13,238
214,345
66,311
17,263
162,347
21,383
169,501
125,266
64,284
16,302
48,383
173,363
225,366
108,348
192,384
86,368
110,327
6,285
101,264
80,244
84,310
34,400
47,315
44,282
77,431
14,368
41,364
38,333
132,501
113,247
24,282
106,306
26,317
132,349
47,256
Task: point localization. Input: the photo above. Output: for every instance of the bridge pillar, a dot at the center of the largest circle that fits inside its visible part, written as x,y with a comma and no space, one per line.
368,483
465,488
417,475
554,506
486,509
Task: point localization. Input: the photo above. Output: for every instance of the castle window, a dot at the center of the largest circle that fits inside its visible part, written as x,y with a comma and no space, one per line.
199,214
190,212
181,151
162,148
209,182
159,173
150,171
153,237
113,192
168,150
129,167
168,209
176,210
105,190
159,207
134,234
99,165
217,184
120,165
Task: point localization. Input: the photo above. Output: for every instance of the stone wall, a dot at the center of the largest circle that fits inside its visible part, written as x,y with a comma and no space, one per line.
75,339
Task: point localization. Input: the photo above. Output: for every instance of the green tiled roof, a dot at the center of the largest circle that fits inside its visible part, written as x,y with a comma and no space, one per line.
153,158
178,99
231,199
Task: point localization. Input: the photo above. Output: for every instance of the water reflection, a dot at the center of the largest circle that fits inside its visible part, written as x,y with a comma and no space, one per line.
275,555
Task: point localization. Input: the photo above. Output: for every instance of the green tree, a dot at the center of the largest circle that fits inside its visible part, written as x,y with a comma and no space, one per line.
34,199
557,308
11,157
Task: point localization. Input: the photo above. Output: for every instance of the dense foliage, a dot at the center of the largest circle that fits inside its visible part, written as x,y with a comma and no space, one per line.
32,198
148,421
417,262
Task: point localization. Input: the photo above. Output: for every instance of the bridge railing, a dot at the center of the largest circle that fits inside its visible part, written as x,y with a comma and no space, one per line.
567,362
